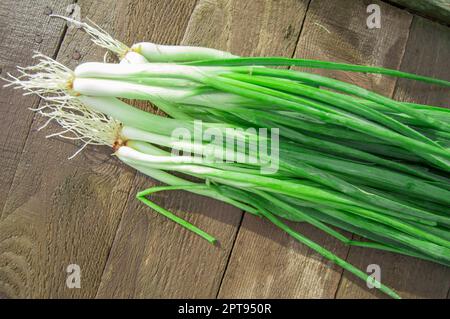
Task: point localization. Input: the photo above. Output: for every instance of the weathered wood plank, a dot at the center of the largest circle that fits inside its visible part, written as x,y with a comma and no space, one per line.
63,212
25,27
427,53
338,32
265,262
161,259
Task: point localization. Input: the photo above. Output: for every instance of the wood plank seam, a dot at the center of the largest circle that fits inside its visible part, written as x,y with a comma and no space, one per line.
229,254
115,236
403,56
38,102
75,185
243,212
341,276
348,250
138,181
127,200
421,279
301,29
308,48
391,95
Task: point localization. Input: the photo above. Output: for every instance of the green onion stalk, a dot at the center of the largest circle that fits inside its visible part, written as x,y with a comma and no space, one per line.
213,86
79,121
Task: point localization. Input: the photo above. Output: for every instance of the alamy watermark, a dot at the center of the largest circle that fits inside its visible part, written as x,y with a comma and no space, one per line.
254,146
374,279
374,19
74,278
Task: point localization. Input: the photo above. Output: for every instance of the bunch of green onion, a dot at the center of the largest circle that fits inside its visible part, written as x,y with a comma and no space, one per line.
348,157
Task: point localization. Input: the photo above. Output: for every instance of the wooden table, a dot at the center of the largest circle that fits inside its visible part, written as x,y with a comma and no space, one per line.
55,212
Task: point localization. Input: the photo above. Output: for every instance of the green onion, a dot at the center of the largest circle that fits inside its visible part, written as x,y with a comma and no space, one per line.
281,61
348,157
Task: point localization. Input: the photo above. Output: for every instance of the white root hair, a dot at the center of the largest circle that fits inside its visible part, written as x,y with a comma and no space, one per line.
99,36
46,77
53,81
79,122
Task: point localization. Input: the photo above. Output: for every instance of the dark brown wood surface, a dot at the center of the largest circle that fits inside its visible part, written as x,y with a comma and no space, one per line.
55,212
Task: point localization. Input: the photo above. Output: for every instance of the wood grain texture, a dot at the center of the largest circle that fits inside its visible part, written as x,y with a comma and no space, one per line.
25,27
166,260
265,262
427,53
337,31
61,211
